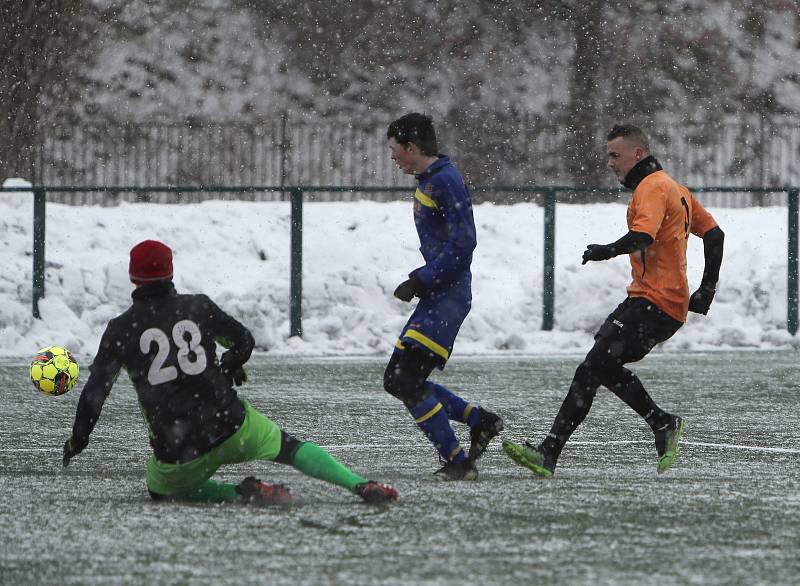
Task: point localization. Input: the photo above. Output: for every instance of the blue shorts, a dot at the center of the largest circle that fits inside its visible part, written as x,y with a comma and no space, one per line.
436,320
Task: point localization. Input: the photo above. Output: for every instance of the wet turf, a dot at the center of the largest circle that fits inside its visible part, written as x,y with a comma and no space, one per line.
727,513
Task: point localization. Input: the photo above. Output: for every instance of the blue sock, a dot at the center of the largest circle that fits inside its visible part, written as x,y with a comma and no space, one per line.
431,418
457,408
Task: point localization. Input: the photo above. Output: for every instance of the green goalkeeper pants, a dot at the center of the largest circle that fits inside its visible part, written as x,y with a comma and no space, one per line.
259,438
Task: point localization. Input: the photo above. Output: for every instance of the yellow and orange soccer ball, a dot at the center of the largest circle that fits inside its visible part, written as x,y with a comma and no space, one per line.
54,370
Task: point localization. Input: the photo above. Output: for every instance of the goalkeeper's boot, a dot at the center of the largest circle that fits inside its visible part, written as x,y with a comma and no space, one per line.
464,470
534,459
255,492
485,431
667,440
374,492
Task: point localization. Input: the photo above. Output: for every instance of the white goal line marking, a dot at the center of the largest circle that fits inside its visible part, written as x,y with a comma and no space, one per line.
413,445
600,443
741,447
703,444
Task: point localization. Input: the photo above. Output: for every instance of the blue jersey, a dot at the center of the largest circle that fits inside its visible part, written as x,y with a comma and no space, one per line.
446,228
443,216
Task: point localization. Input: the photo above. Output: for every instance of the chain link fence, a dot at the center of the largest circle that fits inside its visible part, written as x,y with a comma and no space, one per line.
523,150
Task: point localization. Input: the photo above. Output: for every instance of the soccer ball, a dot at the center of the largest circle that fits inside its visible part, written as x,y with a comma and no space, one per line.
54,370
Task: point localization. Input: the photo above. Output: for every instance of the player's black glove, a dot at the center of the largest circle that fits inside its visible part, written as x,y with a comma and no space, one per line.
700,301
597,252
410,288
235,374
72,447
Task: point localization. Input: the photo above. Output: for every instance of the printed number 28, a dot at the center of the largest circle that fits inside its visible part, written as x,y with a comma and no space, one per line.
158,373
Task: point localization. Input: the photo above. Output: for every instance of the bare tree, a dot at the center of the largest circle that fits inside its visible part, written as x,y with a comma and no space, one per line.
36,39
581,148
524,89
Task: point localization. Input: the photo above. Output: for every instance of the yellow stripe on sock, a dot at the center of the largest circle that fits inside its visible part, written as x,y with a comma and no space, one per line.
425,199
399,344
428,343
454,453
429,414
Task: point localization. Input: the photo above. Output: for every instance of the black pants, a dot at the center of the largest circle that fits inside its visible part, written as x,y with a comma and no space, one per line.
627,335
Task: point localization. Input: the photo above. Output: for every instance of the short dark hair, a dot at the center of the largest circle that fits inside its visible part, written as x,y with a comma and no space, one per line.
416,128
629,131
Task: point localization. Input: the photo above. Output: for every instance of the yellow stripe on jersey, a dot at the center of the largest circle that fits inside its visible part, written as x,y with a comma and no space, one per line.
399,344
425,199
428,343
430,413
467,411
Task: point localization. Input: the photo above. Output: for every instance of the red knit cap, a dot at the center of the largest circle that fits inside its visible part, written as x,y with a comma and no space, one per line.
150,261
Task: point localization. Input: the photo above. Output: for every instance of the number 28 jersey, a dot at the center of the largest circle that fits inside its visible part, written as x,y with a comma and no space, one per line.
167,344
668,212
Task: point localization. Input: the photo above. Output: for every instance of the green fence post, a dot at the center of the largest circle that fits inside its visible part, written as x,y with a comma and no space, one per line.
39,199
548,280
284,150
791,296
296,281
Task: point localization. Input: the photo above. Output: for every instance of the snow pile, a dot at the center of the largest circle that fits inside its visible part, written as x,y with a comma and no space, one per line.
355,253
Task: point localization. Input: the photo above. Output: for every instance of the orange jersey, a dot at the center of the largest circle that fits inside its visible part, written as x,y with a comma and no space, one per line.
668,212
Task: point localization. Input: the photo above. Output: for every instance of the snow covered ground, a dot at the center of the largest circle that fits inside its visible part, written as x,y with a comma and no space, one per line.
354,255
726,514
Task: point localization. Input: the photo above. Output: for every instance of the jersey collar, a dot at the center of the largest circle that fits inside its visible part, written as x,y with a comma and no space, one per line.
640,170
437,166
158,289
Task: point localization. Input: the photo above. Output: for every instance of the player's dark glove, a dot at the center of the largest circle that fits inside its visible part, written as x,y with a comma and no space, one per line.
597,252
234,373
236,376
409,289
72,447
700,301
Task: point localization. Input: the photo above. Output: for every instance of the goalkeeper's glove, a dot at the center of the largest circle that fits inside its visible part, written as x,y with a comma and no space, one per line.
235,374
72,447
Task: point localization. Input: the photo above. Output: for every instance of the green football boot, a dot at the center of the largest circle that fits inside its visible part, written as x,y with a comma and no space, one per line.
667,440
530,457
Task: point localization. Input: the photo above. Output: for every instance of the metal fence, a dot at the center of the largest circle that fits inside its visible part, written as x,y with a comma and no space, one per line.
297,195
527,150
